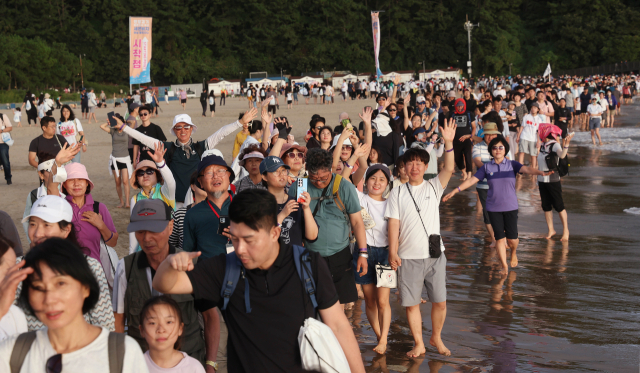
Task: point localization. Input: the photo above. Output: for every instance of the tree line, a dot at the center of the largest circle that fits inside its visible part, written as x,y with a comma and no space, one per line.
196,39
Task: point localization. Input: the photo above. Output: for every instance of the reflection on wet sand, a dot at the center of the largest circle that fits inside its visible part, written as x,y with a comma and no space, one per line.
569,306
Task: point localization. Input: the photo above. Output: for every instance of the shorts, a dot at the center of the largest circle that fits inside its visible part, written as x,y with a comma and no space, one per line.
551,196
626,96
504,224
341,268
482,194
85,108
528,147
92,109
570,109
594,123
121,166
288,102
612,109
377,255
413,274
327,98
578,112
183,100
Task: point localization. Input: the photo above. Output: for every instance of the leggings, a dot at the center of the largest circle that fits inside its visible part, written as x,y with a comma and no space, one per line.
223,100
204,107
462,153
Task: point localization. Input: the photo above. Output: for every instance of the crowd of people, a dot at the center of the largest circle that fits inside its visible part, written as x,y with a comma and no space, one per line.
227,262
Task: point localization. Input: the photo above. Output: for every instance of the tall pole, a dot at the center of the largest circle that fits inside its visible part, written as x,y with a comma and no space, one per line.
469,26
81,76
423,71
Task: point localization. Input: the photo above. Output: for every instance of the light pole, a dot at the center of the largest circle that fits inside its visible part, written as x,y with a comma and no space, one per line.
423,73
81,75
469,26
510,68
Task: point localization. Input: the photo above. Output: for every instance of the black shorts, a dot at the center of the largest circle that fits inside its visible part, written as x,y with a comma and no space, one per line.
85,108
551,196
626,96
131,154
482,194
121,166
183,101
341,268
504,224
577,112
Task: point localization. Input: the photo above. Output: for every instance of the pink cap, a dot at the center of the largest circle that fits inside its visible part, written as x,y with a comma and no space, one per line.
78,171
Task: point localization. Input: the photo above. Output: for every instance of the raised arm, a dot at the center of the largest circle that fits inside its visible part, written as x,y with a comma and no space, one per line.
266,130
448,134
171,276
396,80
360,155
220,134
337,150
277,147
169,187
366,118
105,127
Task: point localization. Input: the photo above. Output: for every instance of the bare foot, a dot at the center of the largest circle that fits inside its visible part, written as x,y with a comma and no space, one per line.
348,306
120,205
504,271
417,351
442,349
565,236
493,244
514,260
127,205
551,234
381,348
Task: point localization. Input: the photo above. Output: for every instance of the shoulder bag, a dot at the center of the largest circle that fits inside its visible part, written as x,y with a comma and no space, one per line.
434,239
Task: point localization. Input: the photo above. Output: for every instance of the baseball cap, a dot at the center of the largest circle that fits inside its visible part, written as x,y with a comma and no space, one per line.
335,141
183,118
419,130
378,167
134,106
215,160
491,129
451,94
272,164
51,209
504,105
420,99
149,215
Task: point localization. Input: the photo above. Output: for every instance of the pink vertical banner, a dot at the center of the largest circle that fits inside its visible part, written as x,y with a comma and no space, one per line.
375,25
139,50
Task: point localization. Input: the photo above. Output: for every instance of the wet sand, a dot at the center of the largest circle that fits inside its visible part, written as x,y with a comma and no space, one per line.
568,306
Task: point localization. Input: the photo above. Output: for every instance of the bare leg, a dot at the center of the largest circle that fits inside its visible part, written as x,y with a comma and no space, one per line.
593,138
438,315
513,245
502,255
548,216
493,237
384,318
415,325
598,134
125,181
118,189
565,225
371,307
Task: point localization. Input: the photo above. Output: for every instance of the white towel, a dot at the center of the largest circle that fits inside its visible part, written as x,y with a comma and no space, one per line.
126,160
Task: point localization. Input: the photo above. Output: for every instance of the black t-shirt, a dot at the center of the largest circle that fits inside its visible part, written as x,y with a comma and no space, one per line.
46,149
471,105
388,147
265,340
463,122
292,226
152,130
529,102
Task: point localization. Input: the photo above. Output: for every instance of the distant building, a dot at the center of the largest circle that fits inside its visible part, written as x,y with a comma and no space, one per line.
338,79
273,82
310,79
441,73
232,86
405,75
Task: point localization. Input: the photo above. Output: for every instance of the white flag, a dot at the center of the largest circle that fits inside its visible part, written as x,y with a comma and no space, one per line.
547,71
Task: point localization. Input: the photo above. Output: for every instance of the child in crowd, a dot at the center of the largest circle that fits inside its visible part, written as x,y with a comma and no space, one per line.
161,327
17,116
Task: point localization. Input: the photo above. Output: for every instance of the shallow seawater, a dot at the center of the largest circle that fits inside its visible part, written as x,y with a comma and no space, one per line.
568,306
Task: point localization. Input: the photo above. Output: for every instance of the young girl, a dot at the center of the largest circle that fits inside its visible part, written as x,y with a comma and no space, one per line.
17,116
162,328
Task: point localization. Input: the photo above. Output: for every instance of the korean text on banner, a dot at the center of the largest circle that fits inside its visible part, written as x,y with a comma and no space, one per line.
375,24
139,50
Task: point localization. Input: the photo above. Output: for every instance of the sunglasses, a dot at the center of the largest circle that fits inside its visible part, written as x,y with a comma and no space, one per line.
293,155
54,364
498,148
148,171
347,147
394,110
144,115
180,128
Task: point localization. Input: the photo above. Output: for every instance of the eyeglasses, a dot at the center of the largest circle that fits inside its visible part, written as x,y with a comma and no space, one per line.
498,148
180,128
219,173
54,364
317,180
148,171
293,155
281,172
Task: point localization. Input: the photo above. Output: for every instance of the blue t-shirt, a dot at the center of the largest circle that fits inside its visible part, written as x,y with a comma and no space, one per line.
502,184
201,229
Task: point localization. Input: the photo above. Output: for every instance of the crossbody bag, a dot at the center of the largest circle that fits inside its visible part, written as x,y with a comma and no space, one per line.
434,240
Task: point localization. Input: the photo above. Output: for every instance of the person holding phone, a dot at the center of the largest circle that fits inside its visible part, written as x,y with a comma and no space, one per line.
70,128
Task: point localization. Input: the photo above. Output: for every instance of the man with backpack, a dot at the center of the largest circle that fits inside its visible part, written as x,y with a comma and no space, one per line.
336,208
183,154
553,157
272,289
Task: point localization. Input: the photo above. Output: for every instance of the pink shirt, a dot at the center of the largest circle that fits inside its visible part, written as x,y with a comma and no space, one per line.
88,235
183,95
186,365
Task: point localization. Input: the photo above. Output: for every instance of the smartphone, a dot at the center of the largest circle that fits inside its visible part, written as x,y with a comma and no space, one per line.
302,187
345,122
224,223
111,119
81,138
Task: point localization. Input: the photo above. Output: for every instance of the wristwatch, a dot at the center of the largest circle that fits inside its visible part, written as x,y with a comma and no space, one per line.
213,364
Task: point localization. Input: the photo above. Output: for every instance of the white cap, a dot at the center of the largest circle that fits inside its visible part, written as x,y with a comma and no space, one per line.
421,99
335,141
183,118
212,152
51,209
46,165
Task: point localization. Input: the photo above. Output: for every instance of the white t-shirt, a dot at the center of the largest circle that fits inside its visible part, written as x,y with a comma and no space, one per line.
414,242
500,92
69,130
595,109
148,97
377,236
17,116
92,358
186,365
530,125
372,86
289,96
14,322
344,86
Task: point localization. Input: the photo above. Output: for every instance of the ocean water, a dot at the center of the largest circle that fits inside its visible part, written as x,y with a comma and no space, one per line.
617,139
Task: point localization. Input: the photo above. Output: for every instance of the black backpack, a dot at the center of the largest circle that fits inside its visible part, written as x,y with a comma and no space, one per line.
555,163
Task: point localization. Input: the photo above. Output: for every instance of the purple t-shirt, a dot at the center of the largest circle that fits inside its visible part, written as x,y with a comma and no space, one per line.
502,184
88,235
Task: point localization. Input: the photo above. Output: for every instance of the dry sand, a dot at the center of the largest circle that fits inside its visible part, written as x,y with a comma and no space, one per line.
96,159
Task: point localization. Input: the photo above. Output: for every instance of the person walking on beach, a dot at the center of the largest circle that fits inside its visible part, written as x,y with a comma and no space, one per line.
415,246
5,127
183,99
594,111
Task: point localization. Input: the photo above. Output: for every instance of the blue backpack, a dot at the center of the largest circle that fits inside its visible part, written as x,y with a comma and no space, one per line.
234,270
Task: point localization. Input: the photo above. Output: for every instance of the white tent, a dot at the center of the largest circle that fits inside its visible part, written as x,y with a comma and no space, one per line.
440,74
337,80
315,79
232,87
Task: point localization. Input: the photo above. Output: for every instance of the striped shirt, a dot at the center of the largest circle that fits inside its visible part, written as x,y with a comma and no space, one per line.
177,235
481,150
